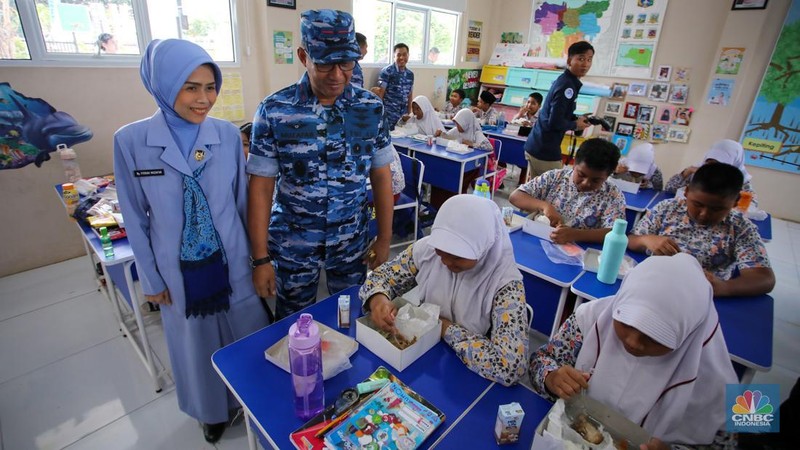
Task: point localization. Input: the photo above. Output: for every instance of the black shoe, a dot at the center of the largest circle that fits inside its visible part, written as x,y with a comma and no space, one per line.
213,431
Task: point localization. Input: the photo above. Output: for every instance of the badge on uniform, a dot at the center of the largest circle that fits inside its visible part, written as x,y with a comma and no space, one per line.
199,154
568,93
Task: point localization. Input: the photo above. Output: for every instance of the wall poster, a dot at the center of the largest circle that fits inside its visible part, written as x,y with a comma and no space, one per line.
474,31
624,33
771,135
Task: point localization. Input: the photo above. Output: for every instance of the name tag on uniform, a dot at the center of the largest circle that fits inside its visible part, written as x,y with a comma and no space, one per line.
148,173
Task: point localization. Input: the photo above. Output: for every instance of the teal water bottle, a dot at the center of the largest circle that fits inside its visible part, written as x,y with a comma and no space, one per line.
614,245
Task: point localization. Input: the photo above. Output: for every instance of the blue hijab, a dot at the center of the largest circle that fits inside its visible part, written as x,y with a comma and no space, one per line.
165,67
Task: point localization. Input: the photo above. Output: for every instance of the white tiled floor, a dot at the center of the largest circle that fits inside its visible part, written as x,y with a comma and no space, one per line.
68,379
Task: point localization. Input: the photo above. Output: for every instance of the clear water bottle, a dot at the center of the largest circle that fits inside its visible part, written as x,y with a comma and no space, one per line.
305,363
501,121
614,245
70,162
105,240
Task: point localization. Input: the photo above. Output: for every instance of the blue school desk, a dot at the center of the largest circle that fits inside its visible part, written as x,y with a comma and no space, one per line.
746,322
443,169
513,147
636,204
546,283
264,389
476,429
119,275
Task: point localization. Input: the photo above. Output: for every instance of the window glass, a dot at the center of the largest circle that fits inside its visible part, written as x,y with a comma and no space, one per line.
12,40
409,29
88,27
204,22
373,19
429,33
441,38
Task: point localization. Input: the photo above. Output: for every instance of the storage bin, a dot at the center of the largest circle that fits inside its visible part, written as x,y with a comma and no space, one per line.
494,74
545,78
524,78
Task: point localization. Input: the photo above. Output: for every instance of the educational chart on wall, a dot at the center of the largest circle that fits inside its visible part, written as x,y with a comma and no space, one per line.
624,33
771,136
474,41
230,102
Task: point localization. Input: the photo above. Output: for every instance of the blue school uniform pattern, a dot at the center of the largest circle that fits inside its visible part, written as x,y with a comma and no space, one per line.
321,157
720,248
677,181
357,79
398,85
582,210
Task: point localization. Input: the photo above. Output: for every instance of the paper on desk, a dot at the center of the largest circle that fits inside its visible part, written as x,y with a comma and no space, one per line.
538,229
625,186
457,147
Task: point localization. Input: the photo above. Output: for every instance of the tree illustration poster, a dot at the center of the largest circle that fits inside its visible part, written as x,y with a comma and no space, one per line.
771,136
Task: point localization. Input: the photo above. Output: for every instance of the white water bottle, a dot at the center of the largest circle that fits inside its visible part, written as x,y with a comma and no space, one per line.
70,162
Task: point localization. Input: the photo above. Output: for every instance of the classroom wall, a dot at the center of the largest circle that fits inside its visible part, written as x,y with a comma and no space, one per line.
692,35
37,232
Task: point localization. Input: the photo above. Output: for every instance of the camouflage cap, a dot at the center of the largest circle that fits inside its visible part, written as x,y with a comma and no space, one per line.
329,36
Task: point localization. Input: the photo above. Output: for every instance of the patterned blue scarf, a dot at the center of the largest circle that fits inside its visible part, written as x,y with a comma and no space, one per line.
203,263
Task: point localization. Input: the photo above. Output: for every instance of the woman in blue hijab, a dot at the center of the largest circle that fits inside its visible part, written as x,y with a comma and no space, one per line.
183,192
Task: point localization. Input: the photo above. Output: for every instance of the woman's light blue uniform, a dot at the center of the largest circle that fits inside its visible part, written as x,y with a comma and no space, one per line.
149,168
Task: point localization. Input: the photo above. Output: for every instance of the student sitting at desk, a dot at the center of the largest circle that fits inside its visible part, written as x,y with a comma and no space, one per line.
467,130
466,267
455,103
577,200
527,114
653,352
705,225
485,111
424,117
725,151
640,167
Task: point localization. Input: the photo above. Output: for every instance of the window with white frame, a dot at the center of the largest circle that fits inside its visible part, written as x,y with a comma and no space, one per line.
430,33
72,31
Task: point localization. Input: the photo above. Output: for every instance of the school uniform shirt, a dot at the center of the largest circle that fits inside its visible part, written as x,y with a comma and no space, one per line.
322,157
357,79
656,181
398,85
489,117
677,181
582,210
452,110
556,117
149,169
721,248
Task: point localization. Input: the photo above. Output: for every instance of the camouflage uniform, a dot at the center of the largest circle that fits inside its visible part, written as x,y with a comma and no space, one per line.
357,79
321,158
398,85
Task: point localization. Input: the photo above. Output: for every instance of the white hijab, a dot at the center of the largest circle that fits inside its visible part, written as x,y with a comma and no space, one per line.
642,159
430,121
470,227
471,125
729,152
678,397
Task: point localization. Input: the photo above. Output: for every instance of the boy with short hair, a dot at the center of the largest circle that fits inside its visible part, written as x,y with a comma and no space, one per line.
484,110
395,86
456,102
705,225
527,114
557,116
577,200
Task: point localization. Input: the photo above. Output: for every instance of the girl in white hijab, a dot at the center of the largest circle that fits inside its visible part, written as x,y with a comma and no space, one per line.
655,351
467,267
726,151
424,117
640,167
467,130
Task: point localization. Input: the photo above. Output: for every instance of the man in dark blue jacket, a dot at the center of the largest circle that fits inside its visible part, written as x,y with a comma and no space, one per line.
543,147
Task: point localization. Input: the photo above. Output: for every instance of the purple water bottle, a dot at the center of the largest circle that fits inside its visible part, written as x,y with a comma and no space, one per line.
305,363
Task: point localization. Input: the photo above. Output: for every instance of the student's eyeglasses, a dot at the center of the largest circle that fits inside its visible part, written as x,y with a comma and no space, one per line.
344,66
